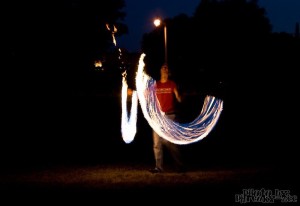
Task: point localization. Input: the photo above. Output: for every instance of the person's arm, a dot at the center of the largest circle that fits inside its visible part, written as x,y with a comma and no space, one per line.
178,97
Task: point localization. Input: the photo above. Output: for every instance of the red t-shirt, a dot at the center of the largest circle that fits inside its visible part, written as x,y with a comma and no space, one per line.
165,95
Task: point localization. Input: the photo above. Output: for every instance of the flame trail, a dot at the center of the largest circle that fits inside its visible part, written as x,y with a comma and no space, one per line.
112,33
169,129
128,125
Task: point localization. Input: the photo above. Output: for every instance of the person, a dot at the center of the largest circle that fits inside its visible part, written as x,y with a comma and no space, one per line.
167,95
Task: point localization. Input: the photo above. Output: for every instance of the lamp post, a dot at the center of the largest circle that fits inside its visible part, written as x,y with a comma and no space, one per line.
157,22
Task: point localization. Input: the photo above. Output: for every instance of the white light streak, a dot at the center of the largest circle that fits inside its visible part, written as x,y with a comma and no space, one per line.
128,124
170,130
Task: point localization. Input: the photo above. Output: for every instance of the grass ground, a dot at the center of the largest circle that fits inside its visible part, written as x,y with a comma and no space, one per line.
125,183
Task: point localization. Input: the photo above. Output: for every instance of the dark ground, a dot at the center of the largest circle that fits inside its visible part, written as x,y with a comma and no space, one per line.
133,184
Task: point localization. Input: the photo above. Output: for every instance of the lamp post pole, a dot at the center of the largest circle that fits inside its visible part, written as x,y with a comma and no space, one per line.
166,48
157,22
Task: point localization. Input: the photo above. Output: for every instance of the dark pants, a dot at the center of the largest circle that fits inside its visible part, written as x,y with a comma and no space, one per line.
159,143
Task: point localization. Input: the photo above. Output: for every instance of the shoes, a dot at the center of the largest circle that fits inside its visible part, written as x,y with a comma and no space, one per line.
155,170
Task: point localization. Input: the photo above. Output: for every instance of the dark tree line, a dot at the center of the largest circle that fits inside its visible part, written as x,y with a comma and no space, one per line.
226,42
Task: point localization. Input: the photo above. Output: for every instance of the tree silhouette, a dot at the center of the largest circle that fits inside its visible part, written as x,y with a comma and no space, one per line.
51,46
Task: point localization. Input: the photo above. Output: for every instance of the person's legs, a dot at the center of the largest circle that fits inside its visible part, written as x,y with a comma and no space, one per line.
176,154
158,151
174,150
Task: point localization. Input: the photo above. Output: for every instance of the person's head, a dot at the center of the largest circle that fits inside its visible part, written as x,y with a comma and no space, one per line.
164,71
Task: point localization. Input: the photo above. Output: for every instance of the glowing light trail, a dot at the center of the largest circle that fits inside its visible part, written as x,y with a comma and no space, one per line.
172,131
128,124
166,128
112,33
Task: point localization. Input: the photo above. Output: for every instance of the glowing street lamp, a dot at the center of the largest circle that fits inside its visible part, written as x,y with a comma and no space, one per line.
157,22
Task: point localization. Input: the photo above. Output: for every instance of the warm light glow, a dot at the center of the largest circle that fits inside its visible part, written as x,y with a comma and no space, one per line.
98,63
112,33
168,129
128,124
157,22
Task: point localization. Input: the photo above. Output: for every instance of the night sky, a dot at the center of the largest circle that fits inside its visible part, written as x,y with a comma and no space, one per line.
283,15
